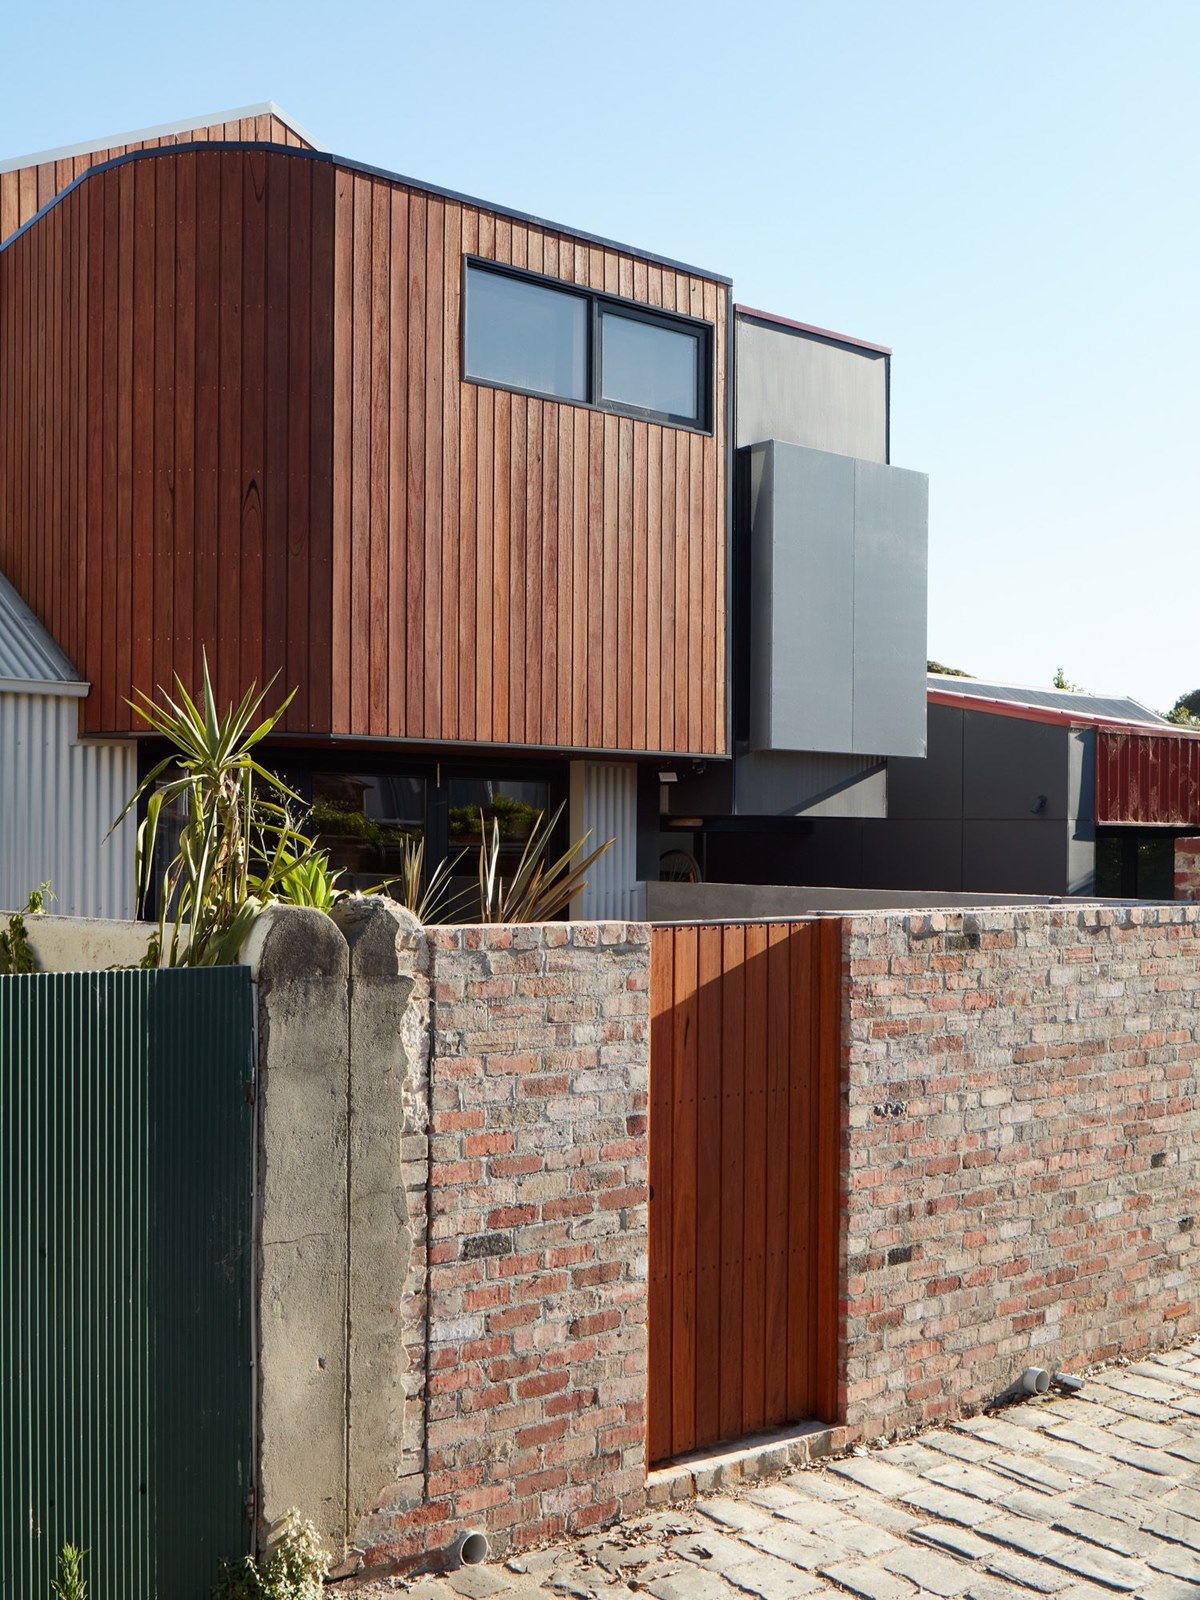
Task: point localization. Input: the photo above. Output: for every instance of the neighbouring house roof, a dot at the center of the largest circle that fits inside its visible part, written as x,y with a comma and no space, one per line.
165,130
807,327
29,658
1049,705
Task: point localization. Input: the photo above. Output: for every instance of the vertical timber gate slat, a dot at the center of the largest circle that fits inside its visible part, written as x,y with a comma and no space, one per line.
744,1131
126,1169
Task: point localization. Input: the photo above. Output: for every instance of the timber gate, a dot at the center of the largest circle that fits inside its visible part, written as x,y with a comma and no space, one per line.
744,1134
126,1167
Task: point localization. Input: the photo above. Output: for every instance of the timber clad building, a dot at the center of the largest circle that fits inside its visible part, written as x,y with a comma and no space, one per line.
521,514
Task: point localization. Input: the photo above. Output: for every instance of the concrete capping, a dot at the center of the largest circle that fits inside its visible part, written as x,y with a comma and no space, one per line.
300,963
85,944
287,944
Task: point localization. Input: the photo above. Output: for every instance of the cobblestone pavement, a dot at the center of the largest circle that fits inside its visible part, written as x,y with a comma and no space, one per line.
1071,1497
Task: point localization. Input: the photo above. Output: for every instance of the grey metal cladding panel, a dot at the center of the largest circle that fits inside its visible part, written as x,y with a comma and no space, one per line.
1081,863
785,783
1081,779
762,536
912,855
891,521
1008,763
1015,857
809,391
803,551
930,786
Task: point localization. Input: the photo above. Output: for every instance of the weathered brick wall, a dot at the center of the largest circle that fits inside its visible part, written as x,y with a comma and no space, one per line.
1187,869
527,1301
1022,1144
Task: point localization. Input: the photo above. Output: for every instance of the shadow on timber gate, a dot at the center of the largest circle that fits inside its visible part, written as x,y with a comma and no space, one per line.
745,1037
126,1168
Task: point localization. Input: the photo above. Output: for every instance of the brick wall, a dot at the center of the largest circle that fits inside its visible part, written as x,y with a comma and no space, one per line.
1022,1146
527,1302
1187,869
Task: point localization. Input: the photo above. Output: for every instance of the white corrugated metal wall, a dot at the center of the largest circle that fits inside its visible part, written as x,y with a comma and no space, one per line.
58,799
604,803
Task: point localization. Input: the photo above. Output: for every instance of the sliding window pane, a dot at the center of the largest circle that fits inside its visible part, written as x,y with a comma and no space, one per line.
650,366
526,336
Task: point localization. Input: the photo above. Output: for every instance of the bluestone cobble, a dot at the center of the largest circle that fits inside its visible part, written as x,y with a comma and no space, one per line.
1056,1496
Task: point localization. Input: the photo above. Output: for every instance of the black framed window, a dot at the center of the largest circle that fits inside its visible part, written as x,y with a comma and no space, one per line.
525,336
650,365
540,336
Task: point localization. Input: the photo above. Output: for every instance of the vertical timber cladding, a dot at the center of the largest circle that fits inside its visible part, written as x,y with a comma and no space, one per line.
232,419
25,190
512,570
126,1145
166,426
744,1131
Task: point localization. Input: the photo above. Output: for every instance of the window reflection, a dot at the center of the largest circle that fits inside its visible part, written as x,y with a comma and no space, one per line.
364,821
650,366
512,807
526,336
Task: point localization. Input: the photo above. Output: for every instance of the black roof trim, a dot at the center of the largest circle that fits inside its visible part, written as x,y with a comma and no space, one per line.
373,172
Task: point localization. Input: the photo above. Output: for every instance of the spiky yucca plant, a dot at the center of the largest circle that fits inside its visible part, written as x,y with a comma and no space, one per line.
238,842
538,889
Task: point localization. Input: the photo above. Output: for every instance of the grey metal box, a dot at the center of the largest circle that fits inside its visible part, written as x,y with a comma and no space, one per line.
838,565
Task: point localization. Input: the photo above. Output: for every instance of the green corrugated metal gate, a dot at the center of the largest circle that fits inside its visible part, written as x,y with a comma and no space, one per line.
126,1170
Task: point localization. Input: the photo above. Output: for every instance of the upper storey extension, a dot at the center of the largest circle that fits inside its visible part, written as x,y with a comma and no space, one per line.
29,183
457,475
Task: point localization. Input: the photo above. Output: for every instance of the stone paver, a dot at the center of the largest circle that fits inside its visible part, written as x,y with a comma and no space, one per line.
1084,1497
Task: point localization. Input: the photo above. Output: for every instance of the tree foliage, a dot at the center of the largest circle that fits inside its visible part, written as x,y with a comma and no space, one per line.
947,672
1186,710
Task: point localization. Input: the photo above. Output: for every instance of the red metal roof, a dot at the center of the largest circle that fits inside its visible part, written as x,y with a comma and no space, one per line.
1067,717
1147,779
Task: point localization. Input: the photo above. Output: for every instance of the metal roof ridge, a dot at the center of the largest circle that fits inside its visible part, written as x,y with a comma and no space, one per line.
1003,683
266,108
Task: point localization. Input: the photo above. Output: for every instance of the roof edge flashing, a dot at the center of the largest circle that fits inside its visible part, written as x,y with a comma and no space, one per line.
165,130
46,687
635,252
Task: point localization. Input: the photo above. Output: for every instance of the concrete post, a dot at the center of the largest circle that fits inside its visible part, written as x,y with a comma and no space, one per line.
300,963
388,1027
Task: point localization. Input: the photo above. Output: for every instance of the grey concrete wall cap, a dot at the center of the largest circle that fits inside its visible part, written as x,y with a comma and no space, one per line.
296,942
377,930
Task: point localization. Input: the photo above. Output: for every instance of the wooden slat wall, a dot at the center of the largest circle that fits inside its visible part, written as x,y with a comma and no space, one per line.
232,416
166,426
25,190
562,570
744,1174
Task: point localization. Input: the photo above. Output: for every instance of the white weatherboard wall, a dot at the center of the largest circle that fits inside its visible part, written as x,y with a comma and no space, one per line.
58,799
604,804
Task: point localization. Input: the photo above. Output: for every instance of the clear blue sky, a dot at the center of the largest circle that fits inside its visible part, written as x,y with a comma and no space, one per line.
1006,194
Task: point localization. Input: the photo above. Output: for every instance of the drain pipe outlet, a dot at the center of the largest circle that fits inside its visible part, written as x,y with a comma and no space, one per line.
1035,1380
469,1548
